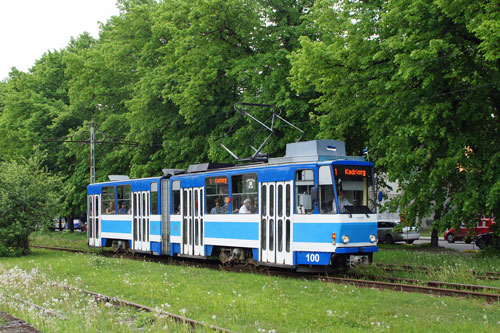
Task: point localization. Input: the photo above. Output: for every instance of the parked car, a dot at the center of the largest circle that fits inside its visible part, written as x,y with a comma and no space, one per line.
387,233
484,240
77,225
469,234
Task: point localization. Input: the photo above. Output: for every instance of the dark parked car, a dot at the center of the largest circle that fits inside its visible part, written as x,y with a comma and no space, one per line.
485,239
387,234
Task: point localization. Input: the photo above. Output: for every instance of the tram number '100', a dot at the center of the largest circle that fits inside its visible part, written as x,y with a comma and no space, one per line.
312,257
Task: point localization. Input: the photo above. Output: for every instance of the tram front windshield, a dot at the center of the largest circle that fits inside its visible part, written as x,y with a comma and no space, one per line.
355,192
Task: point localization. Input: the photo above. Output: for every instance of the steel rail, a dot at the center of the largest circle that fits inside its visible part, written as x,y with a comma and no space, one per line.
450,285
401,268
415,288
38,307
121,302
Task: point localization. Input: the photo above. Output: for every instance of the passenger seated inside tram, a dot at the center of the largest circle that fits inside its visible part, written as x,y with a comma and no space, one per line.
225,208
217,209
254,207
245,208
111,208
123,208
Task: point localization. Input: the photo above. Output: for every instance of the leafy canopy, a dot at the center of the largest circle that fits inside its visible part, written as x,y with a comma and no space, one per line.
416,82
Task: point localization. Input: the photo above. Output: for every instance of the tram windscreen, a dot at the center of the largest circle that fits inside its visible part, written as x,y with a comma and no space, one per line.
355,191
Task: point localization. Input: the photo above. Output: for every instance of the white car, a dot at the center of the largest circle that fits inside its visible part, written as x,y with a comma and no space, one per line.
387,234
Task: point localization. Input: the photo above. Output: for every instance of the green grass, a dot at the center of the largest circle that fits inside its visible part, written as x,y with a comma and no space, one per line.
77,239
443,264
81,313
426,233
241,302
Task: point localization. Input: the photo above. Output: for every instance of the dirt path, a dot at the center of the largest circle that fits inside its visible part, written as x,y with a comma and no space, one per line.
9,323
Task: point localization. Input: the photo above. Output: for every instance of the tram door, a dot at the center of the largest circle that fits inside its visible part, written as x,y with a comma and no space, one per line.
192,221
140,237
275,223
94,219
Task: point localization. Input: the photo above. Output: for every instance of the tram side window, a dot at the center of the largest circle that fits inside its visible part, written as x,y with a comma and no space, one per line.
216,192
176,197
244,187
154,198
304,185
326,202
123,195
108,200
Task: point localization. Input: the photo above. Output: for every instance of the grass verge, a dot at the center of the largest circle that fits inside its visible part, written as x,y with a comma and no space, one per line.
241,302
77,239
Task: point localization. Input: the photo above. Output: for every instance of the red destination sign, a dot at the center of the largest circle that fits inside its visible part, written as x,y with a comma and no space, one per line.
355,172
351,171
217,180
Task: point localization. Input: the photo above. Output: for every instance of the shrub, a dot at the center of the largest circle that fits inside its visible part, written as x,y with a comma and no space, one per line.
29,198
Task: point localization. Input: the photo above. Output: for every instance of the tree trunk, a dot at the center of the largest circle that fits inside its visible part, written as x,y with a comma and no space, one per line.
434,237
71,225
26,246
435,224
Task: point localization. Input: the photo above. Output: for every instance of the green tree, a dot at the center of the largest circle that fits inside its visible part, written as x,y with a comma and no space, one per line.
32,104
36,107
29,200
417,84
201,59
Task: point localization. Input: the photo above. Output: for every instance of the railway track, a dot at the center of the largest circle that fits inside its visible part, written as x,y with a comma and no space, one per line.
16,325
449,285
490,294
409,268
430,288
121,302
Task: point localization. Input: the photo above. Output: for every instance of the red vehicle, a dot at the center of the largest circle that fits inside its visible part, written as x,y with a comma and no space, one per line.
468,235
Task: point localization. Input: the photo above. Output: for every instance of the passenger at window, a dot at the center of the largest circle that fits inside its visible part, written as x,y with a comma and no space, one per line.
225,208
254,207
245,208
123,208
217,209
111,208
343,201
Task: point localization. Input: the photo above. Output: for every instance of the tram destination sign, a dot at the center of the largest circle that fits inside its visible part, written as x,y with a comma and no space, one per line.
217,180
352,171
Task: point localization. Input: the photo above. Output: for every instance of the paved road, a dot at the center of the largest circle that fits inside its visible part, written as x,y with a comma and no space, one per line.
456,246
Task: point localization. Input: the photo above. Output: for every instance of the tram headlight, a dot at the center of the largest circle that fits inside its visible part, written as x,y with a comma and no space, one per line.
373,238
345,239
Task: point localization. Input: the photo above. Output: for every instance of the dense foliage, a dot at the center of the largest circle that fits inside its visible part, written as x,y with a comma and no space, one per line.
415,81
29,197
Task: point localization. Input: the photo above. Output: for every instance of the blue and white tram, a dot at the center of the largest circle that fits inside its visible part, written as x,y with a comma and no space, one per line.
314,207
